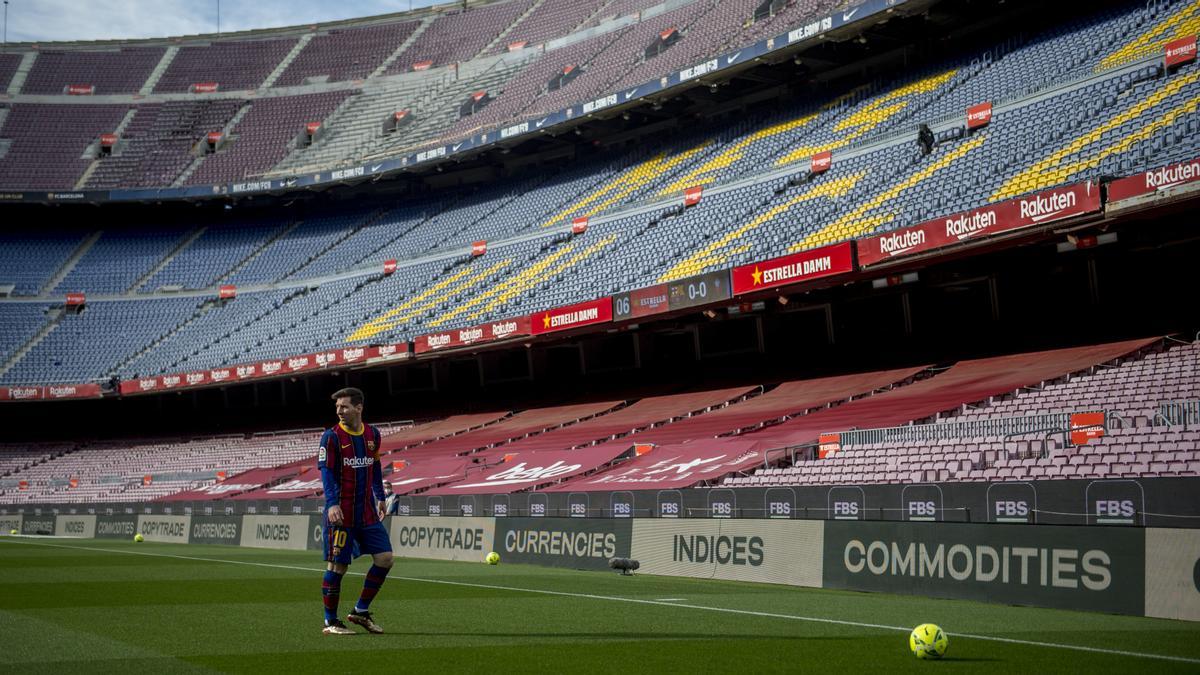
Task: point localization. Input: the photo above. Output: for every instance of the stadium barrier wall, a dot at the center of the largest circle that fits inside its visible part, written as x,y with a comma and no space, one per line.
1152,572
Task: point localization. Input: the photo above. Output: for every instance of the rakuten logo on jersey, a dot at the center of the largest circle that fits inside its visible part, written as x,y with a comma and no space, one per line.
1046,206
358,462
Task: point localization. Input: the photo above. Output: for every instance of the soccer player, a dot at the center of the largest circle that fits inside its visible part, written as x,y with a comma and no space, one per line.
353,480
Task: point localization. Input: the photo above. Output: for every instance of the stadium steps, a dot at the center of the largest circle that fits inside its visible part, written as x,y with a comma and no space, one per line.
52,323
287,60
69,265
187,241
156,74
281,233
3,117
91,150
226,132
371,219
18,78
504,33
416,34
203,309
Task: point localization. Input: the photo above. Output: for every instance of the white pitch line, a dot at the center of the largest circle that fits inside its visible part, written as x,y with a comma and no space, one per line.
660,603
669,599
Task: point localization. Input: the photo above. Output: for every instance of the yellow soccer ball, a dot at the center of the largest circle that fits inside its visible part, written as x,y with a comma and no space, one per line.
928,641
492,558
139,538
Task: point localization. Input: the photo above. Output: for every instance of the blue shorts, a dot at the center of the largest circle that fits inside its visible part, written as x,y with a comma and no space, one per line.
343,544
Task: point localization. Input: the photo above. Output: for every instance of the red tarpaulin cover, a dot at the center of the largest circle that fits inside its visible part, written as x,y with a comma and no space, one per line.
965,382
673,466
525,470
424,473
242,482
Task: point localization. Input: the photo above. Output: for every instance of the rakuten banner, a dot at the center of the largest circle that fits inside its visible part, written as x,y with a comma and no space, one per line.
20,393
1147,182
1038,209
794,269
462,337
672,466
572,316
524,470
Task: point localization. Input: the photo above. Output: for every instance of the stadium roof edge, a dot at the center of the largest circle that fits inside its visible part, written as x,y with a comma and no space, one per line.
256,33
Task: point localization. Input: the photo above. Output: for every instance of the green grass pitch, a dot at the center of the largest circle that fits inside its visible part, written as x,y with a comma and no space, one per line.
104,606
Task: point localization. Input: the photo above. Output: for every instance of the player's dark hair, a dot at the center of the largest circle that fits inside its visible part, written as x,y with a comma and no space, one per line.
355,395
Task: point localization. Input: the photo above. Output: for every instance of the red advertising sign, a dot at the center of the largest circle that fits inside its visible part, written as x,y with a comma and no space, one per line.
20,393
81,89
196,378
461,337
311,127
295,364
213,137
1179,51
389,267
108,140
72,391
691,196
793,269
221,476
389,352
979,115
1036,209
641,302
422,65
827,444
1154,180
76,299
479,248
579,225
218,375
821,162
1086,426
517,46
572,316
204,87
227,291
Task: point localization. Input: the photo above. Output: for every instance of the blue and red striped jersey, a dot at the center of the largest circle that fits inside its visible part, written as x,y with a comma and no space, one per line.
351,473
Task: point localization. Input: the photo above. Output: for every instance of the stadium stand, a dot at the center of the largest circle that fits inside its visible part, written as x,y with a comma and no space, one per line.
231,65
346,54
1123,379
117,71
1049,129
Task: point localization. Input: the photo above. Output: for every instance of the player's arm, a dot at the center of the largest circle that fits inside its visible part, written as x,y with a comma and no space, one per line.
377,477
326,458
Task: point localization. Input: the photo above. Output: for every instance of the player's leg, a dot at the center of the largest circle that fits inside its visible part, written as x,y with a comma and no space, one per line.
337,559
374,540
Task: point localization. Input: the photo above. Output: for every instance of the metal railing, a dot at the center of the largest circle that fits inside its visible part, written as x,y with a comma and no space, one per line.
1001,427
1181,412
